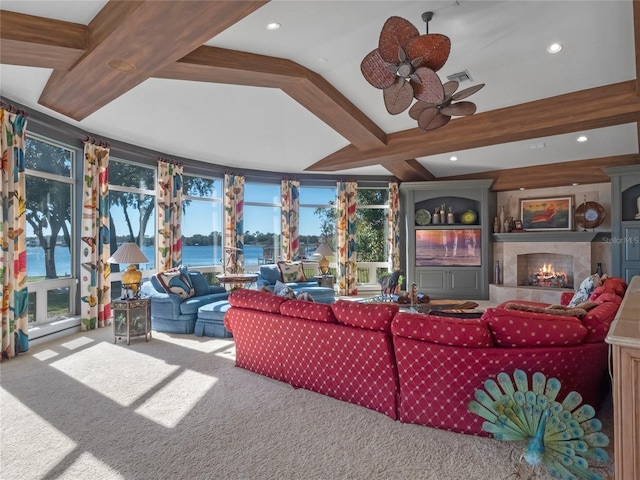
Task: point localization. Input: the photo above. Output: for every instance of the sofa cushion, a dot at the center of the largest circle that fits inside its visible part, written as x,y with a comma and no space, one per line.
176,280
256,300
598,320
270,273
283,290
471,332
292,272
371,316
585,290
513,328
199,282
320,312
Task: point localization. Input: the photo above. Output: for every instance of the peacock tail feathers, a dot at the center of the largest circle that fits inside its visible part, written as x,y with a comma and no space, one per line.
563,436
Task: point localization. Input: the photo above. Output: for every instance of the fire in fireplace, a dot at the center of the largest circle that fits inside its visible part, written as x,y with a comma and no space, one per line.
545,270
547,276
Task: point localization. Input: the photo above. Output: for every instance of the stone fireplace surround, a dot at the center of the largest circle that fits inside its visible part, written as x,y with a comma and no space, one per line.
508,246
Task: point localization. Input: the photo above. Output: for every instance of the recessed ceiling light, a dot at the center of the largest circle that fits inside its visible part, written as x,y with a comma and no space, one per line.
582,138
575,183
554,48
453,159
522,188
272,26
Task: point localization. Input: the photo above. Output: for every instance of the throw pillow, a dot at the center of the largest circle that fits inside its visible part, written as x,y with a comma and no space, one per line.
370,316
176,281
292,272
587,287
283,290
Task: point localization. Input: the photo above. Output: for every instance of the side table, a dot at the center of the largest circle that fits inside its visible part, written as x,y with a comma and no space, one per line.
131,318
326,280
232,281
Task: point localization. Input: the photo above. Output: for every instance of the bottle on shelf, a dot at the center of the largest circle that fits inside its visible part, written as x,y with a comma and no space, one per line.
599,269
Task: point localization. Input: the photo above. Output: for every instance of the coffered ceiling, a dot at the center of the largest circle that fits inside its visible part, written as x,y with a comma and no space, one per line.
207,81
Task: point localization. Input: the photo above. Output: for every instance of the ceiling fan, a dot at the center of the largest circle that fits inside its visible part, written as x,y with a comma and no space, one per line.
404,67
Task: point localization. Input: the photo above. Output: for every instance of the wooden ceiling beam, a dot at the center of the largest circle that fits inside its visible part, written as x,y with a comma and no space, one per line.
409,171
554,175
598,107
41,42
312,91
141,36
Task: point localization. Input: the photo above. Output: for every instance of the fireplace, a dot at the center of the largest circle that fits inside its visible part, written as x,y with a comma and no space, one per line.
550,270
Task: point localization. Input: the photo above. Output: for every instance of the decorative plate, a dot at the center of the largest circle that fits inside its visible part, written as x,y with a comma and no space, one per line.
423,217
469,217
589,215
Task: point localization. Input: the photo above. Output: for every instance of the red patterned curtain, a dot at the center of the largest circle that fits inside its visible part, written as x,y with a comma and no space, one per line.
95,284
290,218
13,254
169,215
347,246
393,227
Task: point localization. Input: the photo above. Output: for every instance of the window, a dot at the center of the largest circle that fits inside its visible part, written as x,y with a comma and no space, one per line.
202,225
371,231
261,223
132,199
317,219
49,178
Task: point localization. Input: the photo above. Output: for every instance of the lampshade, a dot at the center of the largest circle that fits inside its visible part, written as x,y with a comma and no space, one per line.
324,250
128,253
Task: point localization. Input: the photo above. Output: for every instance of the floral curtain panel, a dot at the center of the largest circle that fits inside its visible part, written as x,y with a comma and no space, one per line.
13,254
347,247
233,225
290,218
169,216
95,284
393,227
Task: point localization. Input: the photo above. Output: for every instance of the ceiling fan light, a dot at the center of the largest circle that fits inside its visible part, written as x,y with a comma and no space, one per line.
554,48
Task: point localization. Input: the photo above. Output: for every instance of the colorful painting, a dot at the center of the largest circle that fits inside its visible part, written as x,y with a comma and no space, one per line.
554,213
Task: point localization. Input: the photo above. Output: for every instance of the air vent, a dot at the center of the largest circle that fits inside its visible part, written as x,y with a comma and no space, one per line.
460,77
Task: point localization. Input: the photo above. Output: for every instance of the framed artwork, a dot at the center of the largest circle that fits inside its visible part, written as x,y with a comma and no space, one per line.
552,213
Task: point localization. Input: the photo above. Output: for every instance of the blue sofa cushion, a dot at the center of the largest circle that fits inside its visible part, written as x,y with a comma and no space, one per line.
191,305
199,283
270,273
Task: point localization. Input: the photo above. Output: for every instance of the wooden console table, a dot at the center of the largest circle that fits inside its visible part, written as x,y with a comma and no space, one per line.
624,338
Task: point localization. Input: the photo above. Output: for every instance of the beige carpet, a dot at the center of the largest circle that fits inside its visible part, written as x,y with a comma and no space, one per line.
177,408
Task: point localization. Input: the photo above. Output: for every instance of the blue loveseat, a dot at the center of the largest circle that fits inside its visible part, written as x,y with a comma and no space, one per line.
170,313
270,274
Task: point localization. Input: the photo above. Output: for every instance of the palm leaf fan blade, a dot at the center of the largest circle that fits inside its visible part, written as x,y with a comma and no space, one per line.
460,109
398,97
418,107
435,120
396,33
467,92
429,89
374,70
434,49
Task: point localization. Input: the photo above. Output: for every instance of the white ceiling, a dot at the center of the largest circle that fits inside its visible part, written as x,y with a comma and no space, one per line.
500,43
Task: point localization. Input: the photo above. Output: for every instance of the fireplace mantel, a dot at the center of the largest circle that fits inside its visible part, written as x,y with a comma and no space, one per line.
546,237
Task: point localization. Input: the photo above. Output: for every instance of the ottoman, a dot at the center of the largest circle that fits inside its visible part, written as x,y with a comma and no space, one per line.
210,320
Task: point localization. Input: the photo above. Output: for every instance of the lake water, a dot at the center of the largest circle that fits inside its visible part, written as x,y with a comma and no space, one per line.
191,256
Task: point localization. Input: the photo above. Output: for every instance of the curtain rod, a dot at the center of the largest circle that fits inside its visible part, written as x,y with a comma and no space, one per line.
96,141
12,109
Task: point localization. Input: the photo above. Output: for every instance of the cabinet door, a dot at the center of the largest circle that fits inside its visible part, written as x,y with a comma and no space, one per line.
465,283
630,252
432,281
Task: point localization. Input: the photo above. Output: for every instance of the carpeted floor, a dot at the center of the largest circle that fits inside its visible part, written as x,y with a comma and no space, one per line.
177,408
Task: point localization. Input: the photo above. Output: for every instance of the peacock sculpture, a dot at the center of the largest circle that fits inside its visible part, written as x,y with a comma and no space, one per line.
563,437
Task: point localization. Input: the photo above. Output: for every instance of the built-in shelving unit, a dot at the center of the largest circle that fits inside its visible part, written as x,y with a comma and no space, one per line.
625,227
451,258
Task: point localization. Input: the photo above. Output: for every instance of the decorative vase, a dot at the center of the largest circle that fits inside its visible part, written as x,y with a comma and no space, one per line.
496,274
502,214
599,269
436,217
496,225
638,204
450,216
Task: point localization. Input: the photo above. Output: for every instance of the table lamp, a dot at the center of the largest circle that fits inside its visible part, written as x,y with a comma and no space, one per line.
129,253
324,250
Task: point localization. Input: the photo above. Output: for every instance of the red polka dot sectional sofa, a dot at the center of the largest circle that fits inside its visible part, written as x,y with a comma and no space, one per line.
421,369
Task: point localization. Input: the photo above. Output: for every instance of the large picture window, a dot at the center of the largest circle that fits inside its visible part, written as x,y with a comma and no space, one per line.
50,235
261,224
